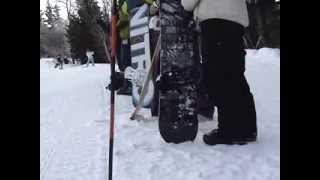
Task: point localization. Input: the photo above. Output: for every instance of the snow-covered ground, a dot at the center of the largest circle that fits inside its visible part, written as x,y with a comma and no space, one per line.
74,131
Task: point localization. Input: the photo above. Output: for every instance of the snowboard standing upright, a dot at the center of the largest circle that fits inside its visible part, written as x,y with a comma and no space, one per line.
140,52
178,96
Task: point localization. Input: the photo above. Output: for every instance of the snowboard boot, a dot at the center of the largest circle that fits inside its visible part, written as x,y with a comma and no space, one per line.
126,89
215,137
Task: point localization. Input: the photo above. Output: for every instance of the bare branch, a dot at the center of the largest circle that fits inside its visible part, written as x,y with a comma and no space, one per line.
68,5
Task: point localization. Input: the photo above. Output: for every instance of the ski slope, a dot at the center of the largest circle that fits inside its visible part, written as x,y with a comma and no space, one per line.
74,131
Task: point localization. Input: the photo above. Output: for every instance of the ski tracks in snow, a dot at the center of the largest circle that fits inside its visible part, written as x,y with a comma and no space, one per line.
72,124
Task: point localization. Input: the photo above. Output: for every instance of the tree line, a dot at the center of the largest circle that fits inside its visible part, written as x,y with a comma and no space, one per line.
52,32
81,31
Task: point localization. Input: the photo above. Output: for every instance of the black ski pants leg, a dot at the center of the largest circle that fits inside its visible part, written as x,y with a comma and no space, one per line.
224,67
125,56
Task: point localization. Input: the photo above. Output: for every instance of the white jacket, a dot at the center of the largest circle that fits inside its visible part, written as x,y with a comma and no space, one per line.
90,54
232,10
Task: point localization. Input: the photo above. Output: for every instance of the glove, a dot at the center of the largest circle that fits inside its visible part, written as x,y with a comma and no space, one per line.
154,23
154,8
116,81
156,3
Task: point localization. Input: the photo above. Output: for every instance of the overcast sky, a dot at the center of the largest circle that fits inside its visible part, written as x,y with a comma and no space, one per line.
63,11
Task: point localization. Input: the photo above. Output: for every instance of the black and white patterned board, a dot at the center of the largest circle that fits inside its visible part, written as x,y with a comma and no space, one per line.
178,117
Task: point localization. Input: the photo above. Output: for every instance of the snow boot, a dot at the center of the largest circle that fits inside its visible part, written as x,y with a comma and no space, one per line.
216,137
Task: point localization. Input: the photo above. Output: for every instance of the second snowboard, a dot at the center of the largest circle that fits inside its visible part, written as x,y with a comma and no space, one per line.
178,97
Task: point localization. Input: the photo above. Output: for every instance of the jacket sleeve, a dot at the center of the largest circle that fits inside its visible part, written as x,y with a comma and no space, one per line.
123,16
149,1
123,20
189,5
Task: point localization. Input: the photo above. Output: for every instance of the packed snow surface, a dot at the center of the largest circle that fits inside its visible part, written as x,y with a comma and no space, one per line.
74,131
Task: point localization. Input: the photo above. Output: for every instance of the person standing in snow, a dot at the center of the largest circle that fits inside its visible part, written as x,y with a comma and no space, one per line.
124,59
56,63
222,24
65,60
59,62
90,58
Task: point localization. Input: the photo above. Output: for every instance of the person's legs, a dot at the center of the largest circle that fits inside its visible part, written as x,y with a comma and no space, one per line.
224,78
125,57
205,105
88,61
121,58
92,61
127,60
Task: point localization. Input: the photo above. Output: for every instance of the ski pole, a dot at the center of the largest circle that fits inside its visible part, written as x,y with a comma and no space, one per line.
148,79
113,56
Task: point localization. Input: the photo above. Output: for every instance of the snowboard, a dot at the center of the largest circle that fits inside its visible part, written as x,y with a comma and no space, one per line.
178,74
140,53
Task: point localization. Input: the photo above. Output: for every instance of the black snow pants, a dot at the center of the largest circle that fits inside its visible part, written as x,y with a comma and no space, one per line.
224,66
125,56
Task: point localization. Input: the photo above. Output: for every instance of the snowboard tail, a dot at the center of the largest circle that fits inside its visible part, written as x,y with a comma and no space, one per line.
178,120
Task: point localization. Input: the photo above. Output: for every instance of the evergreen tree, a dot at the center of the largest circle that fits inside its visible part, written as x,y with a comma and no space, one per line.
52,33
77,37
50,16
41,18
56,12
84,33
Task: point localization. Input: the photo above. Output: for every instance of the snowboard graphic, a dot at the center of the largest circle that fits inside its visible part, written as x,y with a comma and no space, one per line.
140,53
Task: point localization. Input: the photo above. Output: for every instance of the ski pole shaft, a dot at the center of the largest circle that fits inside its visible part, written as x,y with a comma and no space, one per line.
112,98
